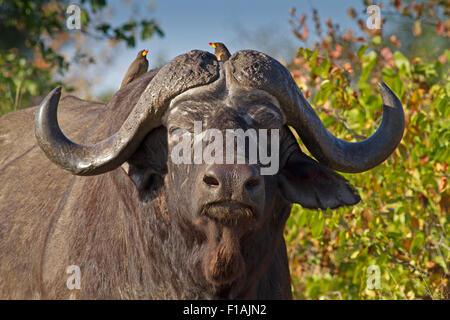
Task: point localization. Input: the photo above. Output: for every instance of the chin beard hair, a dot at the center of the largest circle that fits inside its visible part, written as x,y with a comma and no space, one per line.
228,213
224,262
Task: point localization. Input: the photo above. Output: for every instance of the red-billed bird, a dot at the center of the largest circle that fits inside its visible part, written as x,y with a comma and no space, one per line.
138,67
221,52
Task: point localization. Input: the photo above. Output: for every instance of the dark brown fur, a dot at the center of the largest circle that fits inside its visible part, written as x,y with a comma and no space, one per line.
133,234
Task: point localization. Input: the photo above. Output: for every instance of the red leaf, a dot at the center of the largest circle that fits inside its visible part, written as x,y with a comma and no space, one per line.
302,19
304,34
440,28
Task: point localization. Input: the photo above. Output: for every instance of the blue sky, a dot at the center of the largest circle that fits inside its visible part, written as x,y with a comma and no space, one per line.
192,24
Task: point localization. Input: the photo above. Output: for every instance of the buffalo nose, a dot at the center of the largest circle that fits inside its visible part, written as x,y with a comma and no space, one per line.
232,179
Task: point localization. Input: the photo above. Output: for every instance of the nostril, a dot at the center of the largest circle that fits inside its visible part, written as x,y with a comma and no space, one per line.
210,181
252,183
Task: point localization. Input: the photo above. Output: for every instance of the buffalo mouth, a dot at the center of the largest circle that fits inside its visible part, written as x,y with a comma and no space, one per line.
229,213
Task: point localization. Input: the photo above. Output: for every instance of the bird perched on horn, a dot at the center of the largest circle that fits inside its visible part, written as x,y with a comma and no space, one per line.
221,51
138,67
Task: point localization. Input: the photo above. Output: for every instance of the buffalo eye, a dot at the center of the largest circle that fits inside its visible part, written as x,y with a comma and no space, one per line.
176,133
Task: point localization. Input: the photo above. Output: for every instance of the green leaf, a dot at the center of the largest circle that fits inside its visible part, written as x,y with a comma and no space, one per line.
313,60
417,242
302,218
103,27
397,85
324,68
376,40
354,254
326,89
129,26
401,62
447,55
361,51
353,114
317,224
439,260
388,72
305,53
368,62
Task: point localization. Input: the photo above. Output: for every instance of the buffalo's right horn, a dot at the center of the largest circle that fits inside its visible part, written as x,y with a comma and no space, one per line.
186,71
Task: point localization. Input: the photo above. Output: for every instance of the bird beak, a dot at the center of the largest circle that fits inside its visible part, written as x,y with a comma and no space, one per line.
212,44
144,53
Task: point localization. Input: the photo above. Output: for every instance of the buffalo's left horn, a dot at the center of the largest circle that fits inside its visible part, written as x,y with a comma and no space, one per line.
346,156
182,73
257,70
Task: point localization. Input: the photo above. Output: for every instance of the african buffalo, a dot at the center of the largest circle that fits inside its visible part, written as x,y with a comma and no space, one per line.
139,225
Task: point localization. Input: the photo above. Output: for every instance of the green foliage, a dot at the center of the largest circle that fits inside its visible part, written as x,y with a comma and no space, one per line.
402,223
20,81
31,34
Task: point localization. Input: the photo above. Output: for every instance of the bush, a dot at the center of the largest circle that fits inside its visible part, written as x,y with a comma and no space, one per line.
402,224
32,34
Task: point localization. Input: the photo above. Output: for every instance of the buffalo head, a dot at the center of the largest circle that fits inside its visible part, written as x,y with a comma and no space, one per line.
234,210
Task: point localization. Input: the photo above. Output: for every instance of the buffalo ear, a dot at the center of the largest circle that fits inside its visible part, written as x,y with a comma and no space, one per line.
312,185
148,165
